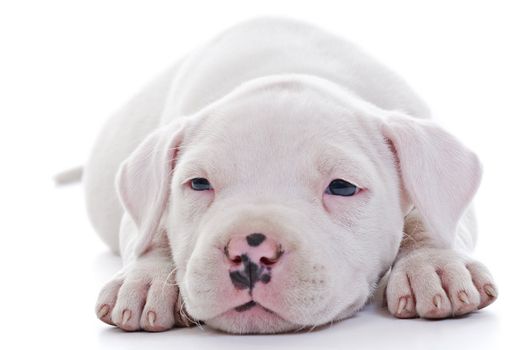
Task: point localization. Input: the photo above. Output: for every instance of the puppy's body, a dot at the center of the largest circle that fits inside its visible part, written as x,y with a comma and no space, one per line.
245,61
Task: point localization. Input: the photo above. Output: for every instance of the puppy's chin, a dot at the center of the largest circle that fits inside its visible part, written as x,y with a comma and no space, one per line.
257,320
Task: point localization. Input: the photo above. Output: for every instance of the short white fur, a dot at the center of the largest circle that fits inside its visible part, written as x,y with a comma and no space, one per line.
270,112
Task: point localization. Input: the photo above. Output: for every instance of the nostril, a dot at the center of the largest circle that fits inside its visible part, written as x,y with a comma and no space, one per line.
271,261
267,261
252,250
237,259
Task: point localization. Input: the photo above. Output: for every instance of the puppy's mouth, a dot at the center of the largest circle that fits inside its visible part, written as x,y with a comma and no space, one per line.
246,306
251,318
251,304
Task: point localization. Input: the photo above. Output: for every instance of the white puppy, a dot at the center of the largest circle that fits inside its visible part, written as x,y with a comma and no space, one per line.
270,179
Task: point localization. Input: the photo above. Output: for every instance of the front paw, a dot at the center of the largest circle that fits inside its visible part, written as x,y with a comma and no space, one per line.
438,283
142,297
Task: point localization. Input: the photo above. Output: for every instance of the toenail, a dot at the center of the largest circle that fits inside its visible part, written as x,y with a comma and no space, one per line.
151,316
401,305
127,314
103,311
437,301
463,297
490,291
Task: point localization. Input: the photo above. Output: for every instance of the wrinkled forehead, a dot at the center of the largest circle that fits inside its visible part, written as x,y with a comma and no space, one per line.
278,133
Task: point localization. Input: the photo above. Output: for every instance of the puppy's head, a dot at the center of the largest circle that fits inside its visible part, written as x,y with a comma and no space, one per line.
284,201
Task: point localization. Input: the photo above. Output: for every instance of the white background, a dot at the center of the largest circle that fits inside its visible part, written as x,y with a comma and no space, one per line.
66,65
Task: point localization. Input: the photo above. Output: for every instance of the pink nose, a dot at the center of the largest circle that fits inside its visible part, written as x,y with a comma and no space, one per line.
252,258
256,247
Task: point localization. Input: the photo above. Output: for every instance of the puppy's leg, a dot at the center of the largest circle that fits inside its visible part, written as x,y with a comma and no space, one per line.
433,282
144,294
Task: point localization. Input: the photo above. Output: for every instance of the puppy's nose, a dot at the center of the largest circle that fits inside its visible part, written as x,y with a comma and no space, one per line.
255,247
252,258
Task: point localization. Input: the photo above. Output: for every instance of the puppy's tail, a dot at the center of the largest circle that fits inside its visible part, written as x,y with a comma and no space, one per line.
69,176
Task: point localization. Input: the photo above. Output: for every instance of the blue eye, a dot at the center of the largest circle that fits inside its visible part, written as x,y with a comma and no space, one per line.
200,184
340,187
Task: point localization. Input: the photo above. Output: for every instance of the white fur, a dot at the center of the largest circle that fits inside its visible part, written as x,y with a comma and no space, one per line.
270,112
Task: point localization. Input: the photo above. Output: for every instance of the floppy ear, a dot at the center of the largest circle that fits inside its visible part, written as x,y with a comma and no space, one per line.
143,180
440,174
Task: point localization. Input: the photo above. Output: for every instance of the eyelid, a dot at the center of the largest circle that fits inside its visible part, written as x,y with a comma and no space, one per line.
347,179
187,180
358,170
190,174
190,170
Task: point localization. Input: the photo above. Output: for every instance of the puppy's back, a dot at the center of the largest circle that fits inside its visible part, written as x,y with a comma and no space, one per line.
270,46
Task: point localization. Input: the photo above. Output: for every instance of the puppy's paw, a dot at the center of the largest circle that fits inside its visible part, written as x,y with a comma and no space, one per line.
437,283
142,297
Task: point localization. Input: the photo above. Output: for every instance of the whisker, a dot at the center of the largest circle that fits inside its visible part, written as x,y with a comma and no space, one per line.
187,320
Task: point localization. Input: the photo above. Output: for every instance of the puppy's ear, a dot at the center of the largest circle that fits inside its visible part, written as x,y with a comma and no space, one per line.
143,180
440,174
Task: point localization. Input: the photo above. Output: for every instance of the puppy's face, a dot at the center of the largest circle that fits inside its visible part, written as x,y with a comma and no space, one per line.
284,201
284,211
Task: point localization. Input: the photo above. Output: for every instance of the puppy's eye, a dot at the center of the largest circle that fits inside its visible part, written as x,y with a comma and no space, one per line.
340,187
200,184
